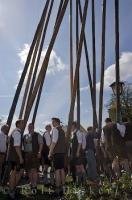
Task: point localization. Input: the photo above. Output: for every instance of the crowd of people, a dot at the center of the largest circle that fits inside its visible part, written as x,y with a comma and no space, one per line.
82,155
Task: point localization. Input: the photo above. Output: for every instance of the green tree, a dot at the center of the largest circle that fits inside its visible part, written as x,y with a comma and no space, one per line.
125,104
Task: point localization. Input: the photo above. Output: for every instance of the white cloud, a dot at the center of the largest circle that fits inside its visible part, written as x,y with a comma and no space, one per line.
109,75
55,63
125,70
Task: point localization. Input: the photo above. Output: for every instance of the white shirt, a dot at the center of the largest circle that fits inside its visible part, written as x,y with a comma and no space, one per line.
3,140
83,140
55,134
47,138
17,137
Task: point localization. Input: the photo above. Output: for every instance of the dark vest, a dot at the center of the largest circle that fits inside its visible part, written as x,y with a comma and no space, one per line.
74,145
12,155
90,142
35,144
128,133
60,146
45,147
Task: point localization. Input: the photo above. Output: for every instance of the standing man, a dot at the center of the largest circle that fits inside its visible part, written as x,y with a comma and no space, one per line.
90,155
3,147
77,167
15,157
33,145
45,153
58,150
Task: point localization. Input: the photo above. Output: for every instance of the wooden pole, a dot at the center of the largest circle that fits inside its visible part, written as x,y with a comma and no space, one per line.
78,83
42,73
88,65
41,47
30,76
20,84
71,48
94,64
70,119
118,113
102,64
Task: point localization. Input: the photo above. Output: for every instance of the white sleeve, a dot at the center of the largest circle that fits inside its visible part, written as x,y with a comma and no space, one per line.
48,139
79,137
17,138
55,135
83,141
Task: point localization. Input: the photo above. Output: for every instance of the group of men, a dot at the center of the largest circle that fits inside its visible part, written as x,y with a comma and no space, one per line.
81,157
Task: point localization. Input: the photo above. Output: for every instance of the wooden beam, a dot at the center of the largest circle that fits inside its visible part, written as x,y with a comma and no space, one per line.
21,81
102,64
42,73
70,119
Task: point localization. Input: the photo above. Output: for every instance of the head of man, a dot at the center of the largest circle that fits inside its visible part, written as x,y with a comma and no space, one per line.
19,124
90,129
108,121
5,129
74,126
31,128
48,128
55,122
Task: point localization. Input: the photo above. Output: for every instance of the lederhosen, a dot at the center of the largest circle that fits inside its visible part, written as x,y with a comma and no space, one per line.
75,160
31,159
13,157
45,152
128,139
119,147
109,155
59,150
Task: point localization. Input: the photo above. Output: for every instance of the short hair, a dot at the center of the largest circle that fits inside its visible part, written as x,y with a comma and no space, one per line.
31,124
107,120
47,126
56,119
90,128
74,124
18,122
5,126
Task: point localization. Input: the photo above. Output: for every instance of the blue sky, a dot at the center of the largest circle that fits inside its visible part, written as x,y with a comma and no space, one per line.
18,21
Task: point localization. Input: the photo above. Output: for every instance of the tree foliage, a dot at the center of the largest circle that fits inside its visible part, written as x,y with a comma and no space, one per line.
125,104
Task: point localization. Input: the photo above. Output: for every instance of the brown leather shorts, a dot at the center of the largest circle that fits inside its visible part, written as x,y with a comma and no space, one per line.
31,161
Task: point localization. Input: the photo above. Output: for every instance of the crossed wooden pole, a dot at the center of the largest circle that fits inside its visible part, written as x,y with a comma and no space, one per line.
36,77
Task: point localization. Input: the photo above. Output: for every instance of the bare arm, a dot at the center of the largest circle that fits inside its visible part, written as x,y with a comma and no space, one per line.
19,153
78,150
52,148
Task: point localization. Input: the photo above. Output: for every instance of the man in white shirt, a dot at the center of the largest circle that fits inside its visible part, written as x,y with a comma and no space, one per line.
3,146
45,153
78,170
57,151
15,157
33,145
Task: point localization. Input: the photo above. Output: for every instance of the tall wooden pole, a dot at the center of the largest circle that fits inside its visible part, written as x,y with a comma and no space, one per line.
71,47
117,61
88,66
41,47
42,73
102,64
70,119
78,83
21,81
94,65
29,76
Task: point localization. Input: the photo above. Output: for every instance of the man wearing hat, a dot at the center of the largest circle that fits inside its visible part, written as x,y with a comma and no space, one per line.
57,150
